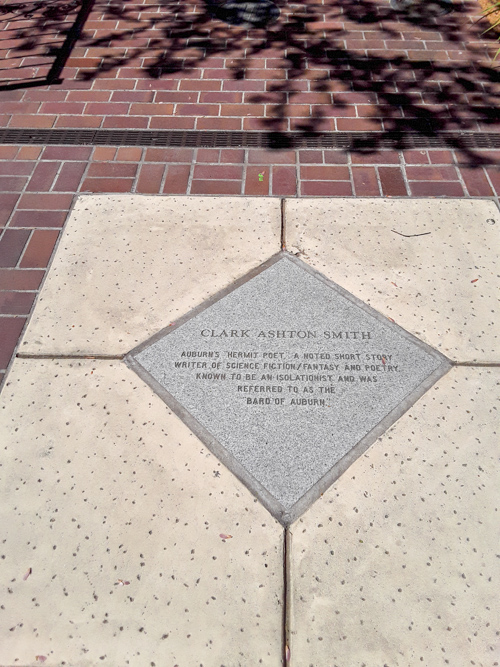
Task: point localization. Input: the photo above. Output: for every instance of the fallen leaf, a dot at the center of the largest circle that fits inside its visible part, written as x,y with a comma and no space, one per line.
41,658
287,654
120,582
225,537
393,284
27,574
475,280
383,361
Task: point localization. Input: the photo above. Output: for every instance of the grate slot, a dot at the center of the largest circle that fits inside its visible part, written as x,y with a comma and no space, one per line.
237,139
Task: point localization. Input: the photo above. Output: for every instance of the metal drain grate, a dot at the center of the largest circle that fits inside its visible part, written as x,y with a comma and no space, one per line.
272,140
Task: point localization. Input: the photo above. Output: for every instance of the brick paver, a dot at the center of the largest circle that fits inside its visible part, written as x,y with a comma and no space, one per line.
323,66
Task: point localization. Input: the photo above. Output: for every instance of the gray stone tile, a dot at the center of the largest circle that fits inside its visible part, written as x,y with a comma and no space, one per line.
288,379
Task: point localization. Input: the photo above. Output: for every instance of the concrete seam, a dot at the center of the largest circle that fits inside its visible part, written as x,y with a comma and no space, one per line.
96,357
287,550
476,364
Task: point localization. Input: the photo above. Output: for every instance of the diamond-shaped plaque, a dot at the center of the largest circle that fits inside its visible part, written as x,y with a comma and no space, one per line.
287,378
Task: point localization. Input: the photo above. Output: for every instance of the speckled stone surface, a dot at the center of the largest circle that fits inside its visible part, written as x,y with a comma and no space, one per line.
111,513
442,286
288,374
128,266
398,563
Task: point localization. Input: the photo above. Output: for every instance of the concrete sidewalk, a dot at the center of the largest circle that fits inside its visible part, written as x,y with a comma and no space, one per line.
125,541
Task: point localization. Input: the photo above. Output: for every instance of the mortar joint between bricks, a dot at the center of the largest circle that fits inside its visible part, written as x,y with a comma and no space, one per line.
56,175
298,182
402,166
496,195
138,163
28,240
84,175
164,178
461,180
351,175
244,171
379,181
191,171
283,230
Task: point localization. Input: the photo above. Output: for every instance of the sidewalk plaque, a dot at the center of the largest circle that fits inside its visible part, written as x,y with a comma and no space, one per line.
288,379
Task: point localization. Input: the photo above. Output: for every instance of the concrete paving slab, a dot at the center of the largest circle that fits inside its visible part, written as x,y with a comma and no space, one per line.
397,564
129,265
125,542
430,265
113,517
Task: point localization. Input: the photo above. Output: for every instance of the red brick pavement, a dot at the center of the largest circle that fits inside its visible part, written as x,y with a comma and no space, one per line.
324,66
37,186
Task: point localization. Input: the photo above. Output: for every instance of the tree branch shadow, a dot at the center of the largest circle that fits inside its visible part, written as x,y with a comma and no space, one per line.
412,73
443,90
44,34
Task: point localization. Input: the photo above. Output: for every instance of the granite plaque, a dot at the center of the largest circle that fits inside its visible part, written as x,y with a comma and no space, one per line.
287,378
